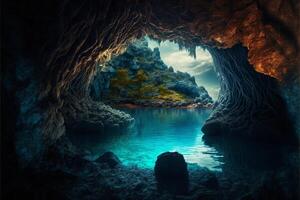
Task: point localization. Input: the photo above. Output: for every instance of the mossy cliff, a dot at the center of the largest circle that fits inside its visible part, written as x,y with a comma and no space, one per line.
140,77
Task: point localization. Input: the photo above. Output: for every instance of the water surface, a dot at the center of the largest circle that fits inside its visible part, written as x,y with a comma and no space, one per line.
156,130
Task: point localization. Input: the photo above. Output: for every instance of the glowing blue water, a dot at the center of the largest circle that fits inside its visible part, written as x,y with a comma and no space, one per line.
156,131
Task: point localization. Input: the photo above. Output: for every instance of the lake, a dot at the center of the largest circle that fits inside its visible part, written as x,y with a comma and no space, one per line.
156,130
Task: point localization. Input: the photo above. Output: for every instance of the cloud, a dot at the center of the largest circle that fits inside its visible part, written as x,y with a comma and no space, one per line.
182,61
201,67
177,59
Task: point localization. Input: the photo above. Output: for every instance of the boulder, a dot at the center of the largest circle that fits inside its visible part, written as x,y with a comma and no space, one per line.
110,159
171,173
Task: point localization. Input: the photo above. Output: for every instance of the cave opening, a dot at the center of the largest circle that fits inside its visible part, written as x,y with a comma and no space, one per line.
168,93
52,55
144,92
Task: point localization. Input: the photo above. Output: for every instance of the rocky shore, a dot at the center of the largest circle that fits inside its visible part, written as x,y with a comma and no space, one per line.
94,116
65,173
160,104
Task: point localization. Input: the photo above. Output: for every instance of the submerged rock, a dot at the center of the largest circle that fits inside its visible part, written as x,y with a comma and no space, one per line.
171,173
110,159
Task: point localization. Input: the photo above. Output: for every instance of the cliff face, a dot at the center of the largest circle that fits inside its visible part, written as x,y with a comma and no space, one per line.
139,76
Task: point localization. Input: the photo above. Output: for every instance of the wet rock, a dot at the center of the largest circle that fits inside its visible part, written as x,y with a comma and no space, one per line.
110,159
211,181
94,116
214,128
171,173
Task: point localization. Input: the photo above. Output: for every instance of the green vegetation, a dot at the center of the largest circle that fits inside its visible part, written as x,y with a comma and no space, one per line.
170,95
140,77
139,86
121,80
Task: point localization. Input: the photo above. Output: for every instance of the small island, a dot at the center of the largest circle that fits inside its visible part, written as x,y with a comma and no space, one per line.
139,78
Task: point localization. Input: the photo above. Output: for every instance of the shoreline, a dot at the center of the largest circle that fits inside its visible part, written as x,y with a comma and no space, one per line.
189,106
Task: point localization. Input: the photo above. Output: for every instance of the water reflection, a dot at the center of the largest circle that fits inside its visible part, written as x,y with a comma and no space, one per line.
252,160
155,131
246,165
270,171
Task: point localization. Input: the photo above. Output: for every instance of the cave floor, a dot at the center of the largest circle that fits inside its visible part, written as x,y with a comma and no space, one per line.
64,173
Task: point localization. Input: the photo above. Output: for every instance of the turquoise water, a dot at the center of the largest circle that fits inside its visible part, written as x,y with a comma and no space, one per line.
155,131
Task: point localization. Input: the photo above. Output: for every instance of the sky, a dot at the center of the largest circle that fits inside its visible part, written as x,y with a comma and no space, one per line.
201,67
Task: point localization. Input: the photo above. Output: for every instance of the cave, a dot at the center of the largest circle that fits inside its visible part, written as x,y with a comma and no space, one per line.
167,100
52,53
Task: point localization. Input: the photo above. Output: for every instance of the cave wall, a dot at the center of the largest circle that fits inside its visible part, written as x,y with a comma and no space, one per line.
51,49
55,46
250,103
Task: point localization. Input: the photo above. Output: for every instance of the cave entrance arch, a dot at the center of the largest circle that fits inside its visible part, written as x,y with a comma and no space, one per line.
168,106
239,106
242,99
64,64
248,101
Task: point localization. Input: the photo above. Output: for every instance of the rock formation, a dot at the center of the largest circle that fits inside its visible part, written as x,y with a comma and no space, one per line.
243,104
100,116
51,50
64,46
140,77
110,159
171,173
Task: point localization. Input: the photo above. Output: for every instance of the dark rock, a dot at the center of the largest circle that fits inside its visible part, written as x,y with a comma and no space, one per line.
269,189
99,116
171,173
100,86
156,53
110,159
211,182
185,87
214,128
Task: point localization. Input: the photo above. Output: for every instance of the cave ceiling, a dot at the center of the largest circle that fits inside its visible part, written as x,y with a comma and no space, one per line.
269,29
76,36
65,42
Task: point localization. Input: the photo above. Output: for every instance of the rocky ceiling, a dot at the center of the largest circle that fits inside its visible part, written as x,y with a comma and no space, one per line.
66,40
95,30
269,29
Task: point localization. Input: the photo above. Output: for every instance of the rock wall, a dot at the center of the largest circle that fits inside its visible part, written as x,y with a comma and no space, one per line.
250,104
65,40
